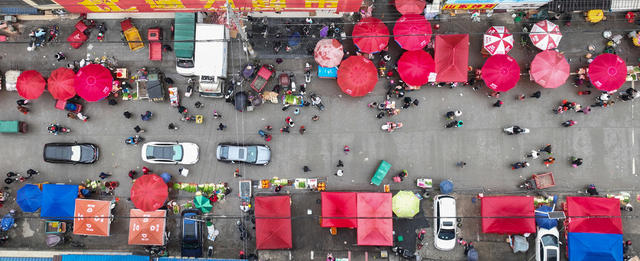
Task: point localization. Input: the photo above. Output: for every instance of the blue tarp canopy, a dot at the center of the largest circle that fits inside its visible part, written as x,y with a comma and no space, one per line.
327,72
29,198
58,201
104,258
594,247
542,217
446,186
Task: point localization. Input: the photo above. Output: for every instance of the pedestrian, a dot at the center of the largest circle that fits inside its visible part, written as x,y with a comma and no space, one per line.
302,130
591,189
315,118
236,173
494,94
521,97
23,109
104,175
585,110
172,126
584,93
278,188
72,115
340,164
31,172
182,109
403,174
346,149
519,165
113,102
461,164
575,162
547,149
536,95
198,105
59,56
569,123
380,115
372,105
416,102
285,129
339,173
138,129
132,174
168,80
498,104
289,122
306,169
82,117
216,115
279,60
450,115
548,161
167,48
268,127
146,116
22,102
127,114
221,127
145,170
534,154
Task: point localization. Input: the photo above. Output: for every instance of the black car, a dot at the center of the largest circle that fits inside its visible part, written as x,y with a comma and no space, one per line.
71,153
191,245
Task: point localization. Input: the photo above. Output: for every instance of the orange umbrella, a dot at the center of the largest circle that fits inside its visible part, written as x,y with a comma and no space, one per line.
147,228
60,84
92,217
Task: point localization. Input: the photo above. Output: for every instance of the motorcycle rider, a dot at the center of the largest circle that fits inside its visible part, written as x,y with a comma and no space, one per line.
59,56
515,130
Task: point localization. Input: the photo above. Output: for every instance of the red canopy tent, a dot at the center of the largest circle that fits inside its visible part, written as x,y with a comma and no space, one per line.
375,227
339,204
273,222
550,69
501,215
410,6
357,76
416,67
30,84
370,35
607,72
452,57
501,72
412,32
60,84
593,207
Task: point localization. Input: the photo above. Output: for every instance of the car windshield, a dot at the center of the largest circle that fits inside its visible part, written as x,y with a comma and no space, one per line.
185,63
552,255
190,227
447,234
165,152
177,152
224,152
86,154
76,152
447,224
252,154
549,240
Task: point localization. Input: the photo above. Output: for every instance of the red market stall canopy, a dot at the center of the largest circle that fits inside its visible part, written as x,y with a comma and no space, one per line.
375,226
410,6
93,82
328,53
92,217
412,32
340,205
357,76
593,215
508,215
147,228
607,72
452,57
273,222
30,84
501,72
370,35
149,192
60,84
416,68
550,69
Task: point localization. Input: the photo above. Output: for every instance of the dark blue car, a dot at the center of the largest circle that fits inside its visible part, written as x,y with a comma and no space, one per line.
191,233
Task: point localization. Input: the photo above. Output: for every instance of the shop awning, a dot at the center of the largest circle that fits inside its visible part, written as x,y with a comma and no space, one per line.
604,215
92,217
508,215
273,222
103,258
578,5
58,201
375,226
452,57
341,206
147,228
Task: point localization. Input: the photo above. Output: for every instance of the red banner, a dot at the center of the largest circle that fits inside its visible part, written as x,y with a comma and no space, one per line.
124,6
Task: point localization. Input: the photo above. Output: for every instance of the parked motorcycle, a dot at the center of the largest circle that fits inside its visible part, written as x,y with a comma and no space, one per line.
454,124
391,126
102,29
307,73
277,46
134,140
52,35
56,128
400,251
37,38
515,130
316,101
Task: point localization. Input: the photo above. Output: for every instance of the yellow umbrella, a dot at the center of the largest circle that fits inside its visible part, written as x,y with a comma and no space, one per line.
405,204
636,40
595,15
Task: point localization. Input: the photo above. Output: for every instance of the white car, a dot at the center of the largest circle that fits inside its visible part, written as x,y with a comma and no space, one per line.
547,244
170,152
444,222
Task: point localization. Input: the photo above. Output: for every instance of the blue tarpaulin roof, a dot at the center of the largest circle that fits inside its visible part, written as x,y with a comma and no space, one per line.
194,259
26,258
542,217
594,247
104,258
58,201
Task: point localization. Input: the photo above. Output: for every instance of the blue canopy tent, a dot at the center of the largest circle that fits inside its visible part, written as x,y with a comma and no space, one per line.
594,247
542,217
327,72
446,186
58,201
29,198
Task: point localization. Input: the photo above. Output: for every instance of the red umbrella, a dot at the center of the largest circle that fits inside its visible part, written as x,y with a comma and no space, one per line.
410,6
149,192
328,53
415,67
501,72
412,32
370,35
30,84
93,82
549,69
607,72
60,84
357,76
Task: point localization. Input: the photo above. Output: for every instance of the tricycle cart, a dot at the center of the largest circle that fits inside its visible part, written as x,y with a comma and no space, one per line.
132,35
68,106
154,35
295,100
264,74
544,180
13,127
380,173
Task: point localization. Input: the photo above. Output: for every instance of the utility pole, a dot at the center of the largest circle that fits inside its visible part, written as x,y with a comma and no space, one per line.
233,18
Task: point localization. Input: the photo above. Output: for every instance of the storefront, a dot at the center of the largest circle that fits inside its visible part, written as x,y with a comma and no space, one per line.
493,4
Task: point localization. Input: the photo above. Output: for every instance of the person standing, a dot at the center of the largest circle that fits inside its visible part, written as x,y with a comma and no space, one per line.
221,127
498,104
548,161
306,169
536,95
575,162
23,109
236,173
22,102
346,149
340,164
339,173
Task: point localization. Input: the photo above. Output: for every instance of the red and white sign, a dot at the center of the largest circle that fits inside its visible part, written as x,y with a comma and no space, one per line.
498,40
545,35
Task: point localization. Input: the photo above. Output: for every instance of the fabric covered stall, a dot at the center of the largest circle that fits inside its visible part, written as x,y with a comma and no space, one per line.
147,228
508,215
594,229
375,226
452,57
92,217
58,201
340,205
273,222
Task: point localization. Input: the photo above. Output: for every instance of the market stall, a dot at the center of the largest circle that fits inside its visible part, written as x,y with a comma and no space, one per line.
93,82
339,209
149,192
92,217
416,68
273,222
375,226
29,198
58,201
147,228
550,69
452,57
594,228
508,215
357,76
412,32
501,72
60,84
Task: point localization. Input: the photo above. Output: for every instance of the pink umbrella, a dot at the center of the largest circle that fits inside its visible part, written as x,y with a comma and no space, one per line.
412,32
607,72
328,53
498,40
410,6
549,69
30,84
415,67
93,82
370,35
501,72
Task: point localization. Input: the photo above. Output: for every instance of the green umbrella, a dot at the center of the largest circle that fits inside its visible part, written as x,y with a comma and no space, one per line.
406,204
203,204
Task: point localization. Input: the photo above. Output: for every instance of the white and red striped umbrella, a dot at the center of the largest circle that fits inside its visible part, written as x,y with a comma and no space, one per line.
498,40
545,35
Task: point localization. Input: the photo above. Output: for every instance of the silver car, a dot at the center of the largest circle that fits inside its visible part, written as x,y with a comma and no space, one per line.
252,154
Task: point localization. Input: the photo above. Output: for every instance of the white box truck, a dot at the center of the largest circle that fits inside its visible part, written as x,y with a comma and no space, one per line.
210,59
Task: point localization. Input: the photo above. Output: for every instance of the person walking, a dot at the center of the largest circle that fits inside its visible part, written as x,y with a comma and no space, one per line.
104,175
306,169
138,129
146,116
289,122
534,154
519,165
22,102
575,162
23,109
569,123
461,164
236,173
285,129
548,161
339,173
498,104
547,149
450,115
172,126
346,149
132,174
221,127
340,164
127,114
536,95
302,130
